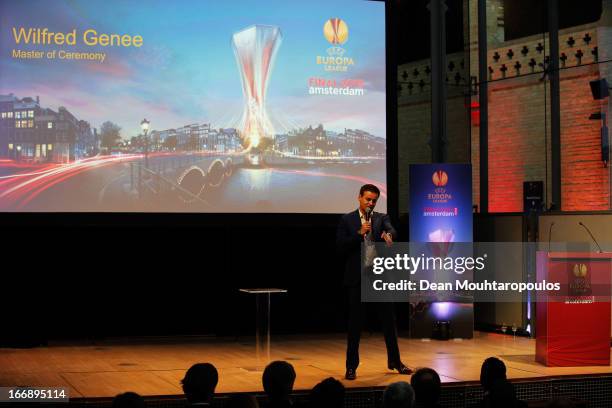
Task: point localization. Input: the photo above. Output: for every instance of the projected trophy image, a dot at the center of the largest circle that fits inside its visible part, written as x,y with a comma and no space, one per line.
255,50
283,117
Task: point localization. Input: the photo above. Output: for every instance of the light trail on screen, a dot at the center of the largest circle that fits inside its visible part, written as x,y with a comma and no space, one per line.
362,180
14,190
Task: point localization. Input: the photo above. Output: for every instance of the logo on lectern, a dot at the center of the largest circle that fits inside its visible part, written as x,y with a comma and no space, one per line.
580,270
579,284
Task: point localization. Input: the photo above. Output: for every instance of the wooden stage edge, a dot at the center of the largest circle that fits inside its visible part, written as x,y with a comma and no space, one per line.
155,366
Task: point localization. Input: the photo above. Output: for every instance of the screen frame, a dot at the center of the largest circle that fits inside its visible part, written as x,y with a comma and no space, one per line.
14,219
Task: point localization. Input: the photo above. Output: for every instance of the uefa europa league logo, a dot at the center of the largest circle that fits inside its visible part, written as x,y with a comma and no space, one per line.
580,280
335,31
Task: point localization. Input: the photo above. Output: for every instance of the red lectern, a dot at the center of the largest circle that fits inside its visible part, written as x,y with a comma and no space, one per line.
573,325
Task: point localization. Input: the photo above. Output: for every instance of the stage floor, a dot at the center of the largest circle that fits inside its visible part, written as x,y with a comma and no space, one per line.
156,366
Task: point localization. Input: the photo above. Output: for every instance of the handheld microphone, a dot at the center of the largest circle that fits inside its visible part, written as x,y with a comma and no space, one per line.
550,234
367,216
592,237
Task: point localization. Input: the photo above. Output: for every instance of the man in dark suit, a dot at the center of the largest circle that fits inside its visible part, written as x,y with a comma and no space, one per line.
354,228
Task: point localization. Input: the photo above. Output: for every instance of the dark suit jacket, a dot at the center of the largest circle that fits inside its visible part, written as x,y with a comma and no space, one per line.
349,242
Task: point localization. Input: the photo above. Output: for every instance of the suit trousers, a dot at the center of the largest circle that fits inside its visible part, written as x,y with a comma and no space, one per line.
357,313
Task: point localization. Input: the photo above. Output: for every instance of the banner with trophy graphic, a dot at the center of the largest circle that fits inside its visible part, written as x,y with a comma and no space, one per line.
441,216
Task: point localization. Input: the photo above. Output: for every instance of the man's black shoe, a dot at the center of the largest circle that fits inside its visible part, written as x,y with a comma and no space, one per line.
351,374
401,368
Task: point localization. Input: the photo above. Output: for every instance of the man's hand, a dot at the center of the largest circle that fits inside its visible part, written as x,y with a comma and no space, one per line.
388,238
365,228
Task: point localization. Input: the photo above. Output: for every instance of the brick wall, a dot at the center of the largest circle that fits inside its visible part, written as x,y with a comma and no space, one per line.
519,123
519,118
414,117
517,145
584,179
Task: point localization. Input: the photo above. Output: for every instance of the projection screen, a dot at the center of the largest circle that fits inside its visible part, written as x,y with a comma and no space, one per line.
192,106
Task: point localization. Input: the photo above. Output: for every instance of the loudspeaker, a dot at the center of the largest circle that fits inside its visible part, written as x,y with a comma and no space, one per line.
533,195
599,89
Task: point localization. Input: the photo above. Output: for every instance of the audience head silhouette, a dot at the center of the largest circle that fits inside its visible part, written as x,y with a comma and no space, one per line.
502,394
329,393
200,382
398,395
278,379
427,387
492,370
128,400
424,390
